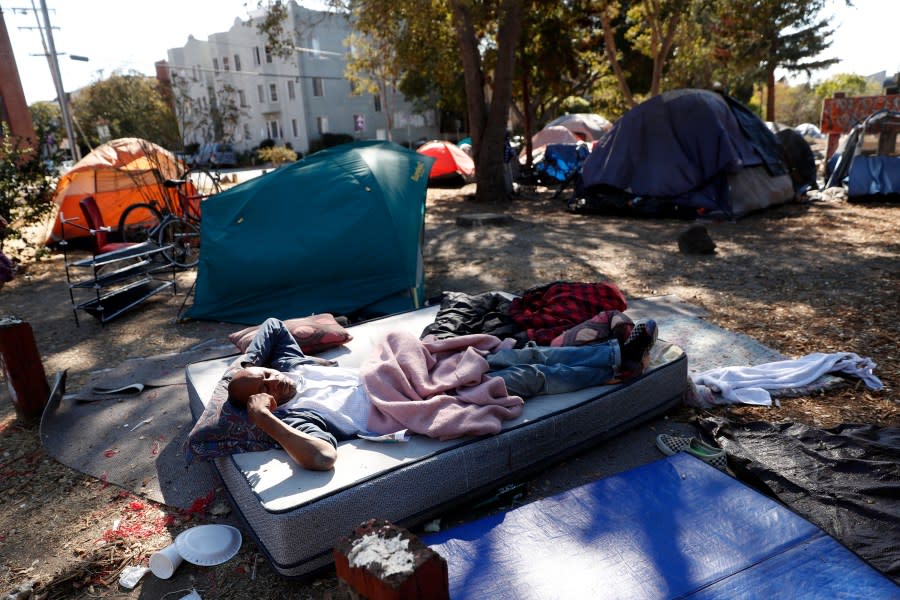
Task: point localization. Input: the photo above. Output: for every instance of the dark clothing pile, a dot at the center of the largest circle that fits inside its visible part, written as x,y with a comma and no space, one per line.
539,315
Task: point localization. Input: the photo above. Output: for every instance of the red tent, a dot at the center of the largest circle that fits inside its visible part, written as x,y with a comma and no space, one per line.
449,161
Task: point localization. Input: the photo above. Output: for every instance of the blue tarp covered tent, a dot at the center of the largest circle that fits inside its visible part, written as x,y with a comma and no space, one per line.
682,150
339,231
561,161
869,164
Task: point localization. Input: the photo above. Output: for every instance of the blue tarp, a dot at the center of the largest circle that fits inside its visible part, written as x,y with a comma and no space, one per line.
681,146
869,164
874,175
676,528
561,161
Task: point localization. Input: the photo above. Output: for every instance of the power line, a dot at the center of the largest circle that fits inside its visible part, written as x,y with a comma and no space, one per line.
252,73
50,50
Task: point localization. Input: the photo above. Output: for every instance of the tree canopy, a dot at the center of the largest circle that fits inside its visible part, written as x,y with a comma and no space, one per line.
528,58
130,105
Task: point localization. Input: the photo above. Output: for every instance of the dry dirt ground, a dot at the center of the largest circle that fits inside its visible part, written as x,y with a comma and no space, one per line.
806,277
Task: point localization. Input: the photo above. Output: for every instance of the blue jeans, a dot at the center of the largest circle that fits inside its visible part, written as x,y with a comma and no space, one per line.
273,346
536,370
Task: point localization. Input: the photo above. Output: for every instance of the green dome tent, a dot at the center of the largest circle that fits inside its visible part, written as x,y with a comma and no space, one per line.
339,231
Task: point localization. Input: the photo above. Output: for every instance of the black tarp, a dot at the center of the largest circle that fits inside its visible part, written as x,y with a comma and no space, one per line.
845,480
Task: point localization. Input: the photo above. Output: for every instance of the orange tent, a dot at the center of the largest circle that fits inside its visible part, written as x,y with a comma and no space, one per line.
449,161
117,174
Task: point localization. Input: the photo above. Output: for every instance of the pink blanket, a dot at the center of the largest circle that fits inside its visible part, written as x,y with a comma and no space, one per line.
437,387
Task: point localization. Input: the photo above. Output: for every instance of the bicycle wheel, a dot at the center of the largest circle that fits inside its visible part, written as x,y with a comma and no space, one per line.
184,238
138,221
203,184
206,182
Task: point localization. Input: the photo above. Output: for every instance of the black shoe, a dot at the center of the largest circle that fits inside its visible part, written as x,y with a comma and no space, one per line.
636,349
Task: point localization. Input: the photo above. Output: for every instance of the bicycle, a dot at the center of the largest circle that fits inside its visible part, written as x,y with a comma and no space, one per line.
172,222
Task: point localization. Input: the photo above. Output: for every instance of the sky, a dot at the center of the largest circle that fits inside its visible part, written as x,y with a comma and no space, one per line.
129,35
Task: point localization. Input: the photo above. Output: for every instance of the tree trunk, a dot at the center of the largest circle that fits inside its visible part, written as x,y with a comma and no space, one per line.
474,78
770,95
388,108
488,127
526,100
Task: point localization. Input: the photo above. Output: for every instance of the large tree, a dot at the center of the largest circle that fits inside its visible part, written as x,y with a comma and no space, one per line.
488,35
132,105
759,36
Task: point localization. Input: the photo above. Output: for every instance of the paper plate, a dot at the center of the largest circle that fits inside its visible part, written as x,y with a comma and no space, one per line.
208,545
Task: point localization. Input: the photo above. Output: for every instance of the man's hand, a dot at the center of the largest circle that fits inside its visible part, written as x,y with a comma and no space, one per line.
259,406
307,451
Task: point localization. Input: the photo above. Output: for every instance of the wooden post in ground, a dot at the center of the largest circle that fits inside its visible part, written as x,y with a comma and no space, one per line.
381,561
23,369
833,138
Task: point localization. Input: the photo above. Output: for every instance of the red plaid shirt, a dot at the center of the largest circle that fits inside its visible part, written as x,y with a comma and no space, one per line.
546,311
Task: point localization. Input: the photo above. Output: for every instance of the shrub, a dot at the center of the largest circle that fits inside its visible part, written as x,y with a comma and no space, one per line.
26,185
277,155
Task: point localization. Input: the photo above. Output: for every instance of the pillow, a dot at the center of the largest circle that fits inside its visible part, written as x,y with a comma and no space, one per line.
223,429
315,334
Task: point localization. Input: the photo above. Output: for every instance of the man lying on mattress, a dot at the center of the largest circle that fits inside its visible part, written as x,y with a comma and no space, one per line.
443,388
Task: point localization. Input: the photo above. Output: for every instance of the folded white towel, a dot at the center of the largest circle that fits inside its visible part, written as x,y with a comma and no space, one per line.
749,385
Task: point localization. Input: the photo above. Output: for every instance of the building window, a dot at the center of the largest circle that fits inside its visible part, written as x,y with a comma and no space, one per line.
246,131
322,125
195,72
273,92
256,60
272,130
216,65
377,100
268,55
315,48
294,129
318,87
291,95
225,63
261,93
242,98
237,62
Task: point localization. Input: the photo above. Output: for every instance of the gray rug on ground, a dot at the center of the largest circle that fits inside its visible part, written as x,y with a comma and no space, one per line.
133,440
711,347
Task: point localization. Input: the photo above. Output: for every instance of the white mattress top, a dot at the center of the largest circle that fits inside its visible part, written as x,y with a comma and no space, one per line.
281,485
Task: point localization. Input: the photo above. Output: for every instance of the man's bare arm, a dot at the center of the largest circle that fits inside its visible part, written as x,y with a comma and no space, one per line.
307,451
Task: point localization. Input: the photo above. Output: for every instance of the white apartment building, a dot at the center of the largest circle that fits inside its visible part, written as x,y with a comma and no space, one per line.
290,101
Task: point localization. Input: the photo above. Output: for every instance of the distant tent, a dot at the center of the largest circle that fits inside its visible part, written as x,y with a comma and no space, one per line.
452,165
808,130
799,159
869,164
340,231
588,127
117,174
555,134
560,162
683,153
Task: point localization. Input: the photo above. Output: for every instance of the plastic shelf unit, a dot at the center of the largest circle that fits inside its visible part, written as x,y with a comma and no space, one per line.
119,280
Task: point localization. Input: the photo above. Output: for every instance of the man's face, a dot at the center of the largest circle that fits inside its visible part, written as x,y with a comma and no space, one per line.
262,380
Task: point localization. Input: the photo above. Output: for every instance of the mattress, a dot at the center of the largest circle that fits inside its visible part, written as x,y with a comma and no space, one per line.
296,516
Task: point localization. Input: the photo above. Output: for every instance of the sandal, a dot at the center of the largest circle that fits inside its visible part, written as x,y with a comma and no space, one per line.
670,444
